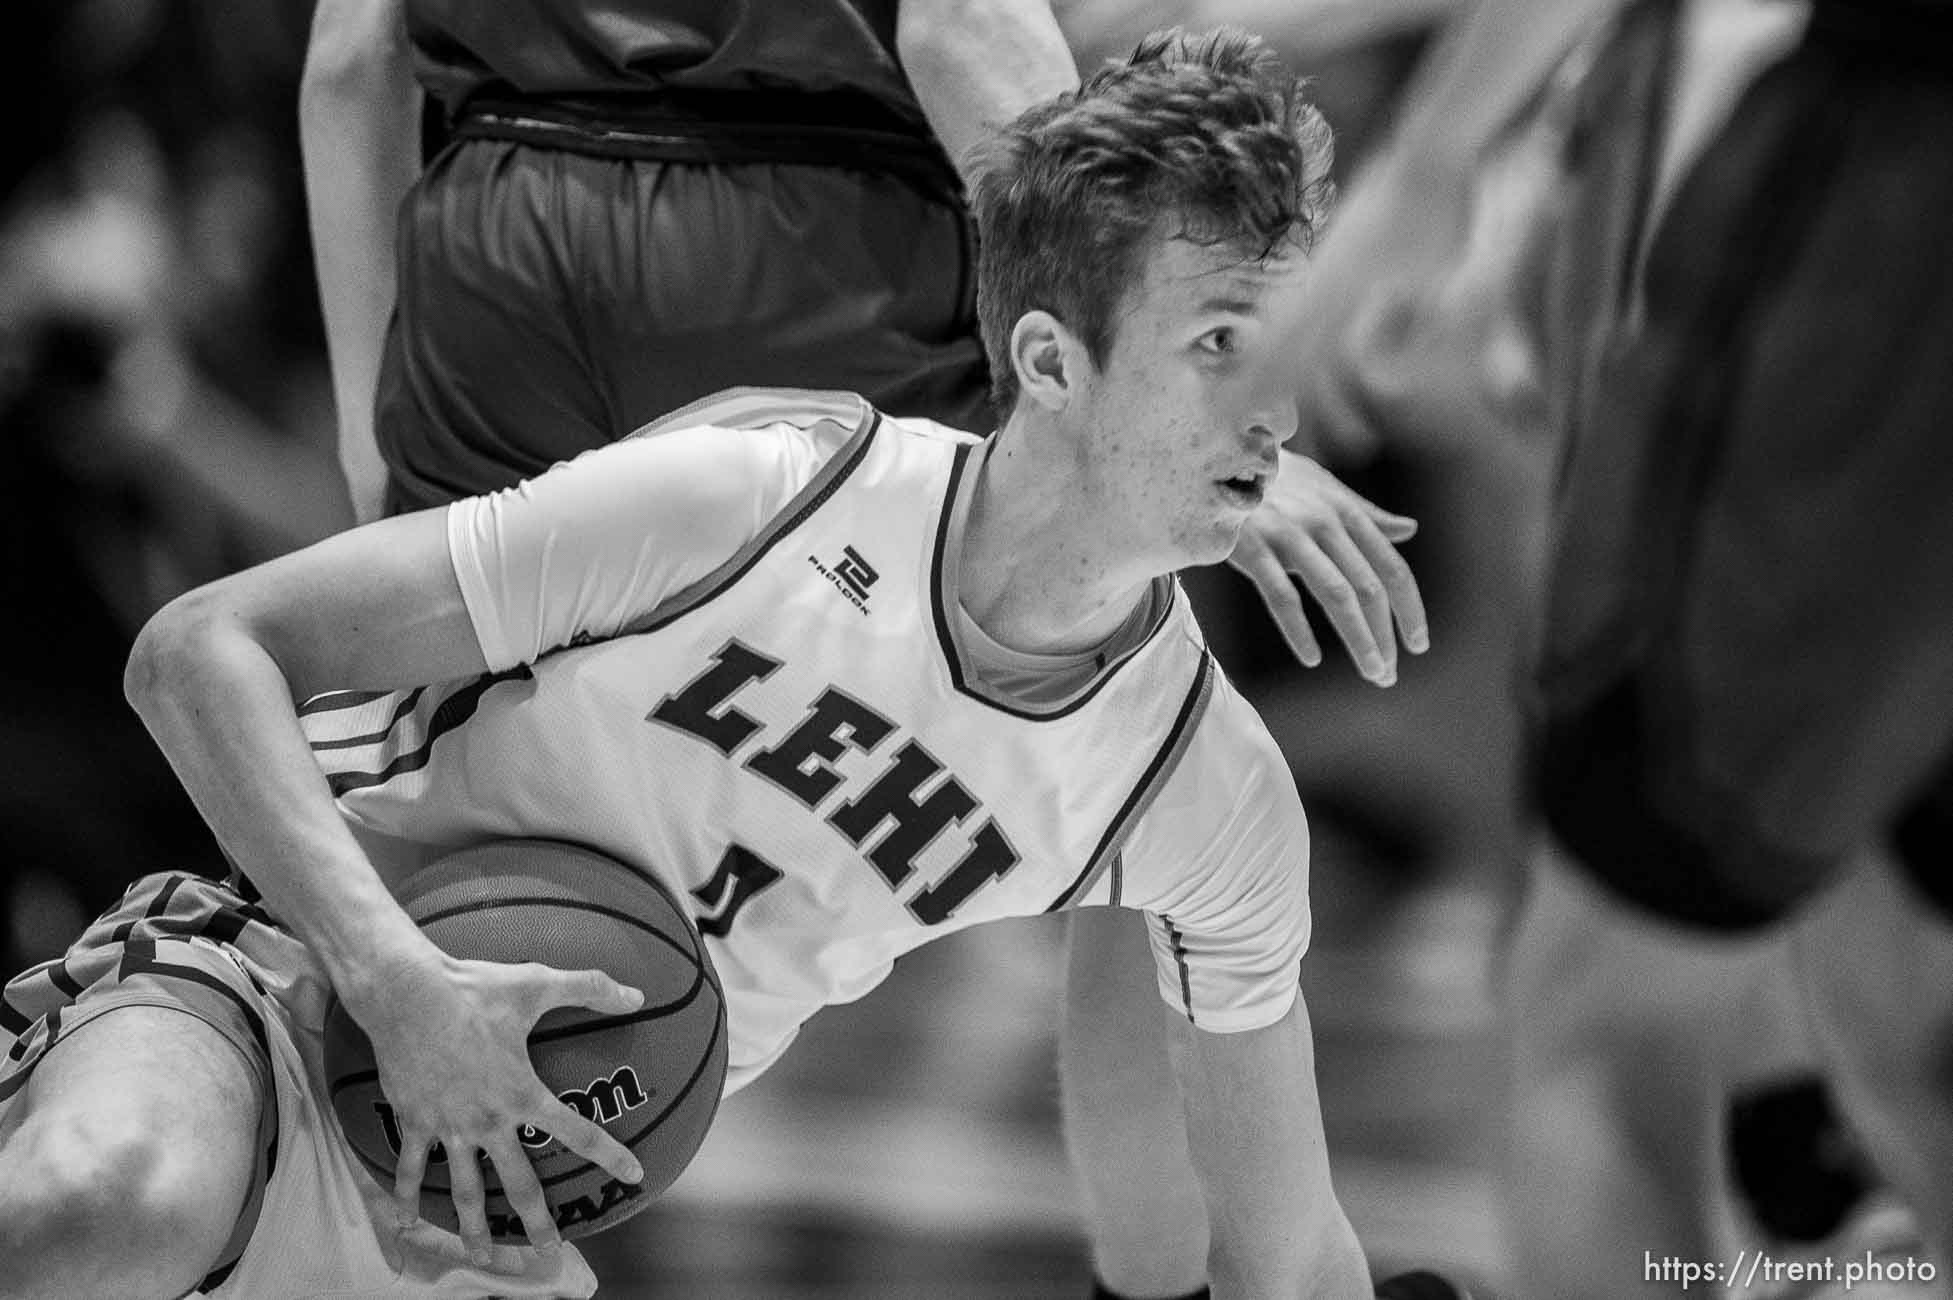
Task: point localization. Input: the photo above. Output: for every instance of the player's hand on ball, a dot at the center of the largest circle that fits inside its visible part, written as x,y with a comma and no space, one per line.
1343,549
450,1038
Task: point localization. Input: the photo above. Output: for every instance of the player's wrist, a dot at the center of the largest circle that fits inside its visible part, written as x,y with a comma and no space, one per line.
368,974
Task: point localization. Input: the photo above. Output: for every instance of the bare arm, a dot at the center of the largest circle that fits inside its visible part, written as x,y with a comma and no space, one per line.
1254,1127
976,64
1499,54
1405,322
1125,1125
1309,29
215,676
1407,214
359,119
1234,1141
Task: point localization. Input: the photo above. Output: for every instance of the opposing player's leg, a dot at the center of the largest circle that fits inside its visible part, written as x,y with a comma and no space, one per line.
126,1157
1877,960
1622,1032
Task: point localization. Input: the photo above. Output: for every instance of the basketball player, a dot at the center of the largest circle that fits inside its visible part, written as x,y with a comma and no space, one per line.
1743,684
840,227
780,209
643,203
787,151
1744,679
894,679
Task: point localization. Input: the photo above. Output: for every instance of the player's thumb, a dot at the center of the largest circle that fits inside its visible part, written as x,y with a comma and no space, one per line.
1394,527
598,992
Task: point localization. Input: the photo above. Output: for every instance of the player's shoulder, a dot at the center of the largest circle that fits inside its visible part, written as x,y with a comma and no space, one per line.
808,426
1231,752
741,438
1228,735
1227,822
764,408
1229,772
931,431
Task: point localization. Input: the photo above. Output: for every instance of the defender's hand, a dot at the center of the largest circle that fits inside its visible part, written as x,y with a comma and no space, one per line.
451,1041
1342,548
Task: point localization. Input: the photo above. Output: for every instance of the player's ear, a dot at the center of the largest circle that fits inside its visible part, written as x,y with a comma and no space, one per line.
1047,357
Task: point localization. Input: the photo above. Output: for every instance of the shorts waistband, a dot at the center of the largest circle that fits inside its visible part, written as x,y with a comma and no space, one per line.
721,127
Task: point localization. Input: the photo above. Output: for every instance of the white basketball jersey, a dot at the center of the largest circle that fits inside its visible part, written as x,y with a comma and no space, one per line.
798,744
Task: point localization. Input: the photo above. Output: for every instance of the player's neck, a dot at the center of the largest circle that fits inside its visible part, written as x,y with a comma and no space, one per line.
1042,571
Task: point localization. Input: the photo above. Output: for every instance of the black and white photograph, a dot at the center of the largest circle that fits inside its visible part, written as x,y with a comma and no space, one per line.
977,650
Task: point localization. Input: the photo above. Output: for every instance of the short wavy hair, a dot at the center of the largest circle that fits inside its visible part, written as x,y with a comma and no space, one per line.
1206,131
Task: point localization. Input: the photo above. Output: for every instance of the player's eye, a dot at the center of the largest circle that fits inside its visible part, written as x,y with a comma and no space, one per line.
1220,340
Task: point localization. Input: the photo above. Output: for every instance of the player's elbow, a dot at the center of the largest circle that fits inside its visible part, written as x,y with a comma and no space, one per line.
930,34
354,45
168,649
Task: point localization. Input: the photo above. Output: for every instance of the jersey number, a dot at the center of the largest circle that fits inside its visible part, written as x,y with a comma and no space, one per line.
742,874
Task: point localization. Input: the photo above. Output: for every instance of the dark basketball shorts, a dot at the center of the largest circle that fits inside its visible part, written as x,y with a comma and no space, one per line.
315,1224
1748,667
550,301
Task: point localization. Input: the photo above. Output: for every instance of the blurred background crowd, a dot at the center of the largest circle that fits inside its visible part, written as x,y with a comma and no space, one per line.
166,414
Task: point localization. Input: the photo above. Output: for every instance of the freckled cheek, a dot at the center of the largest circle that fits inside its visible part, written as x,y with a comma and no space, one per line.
1230,397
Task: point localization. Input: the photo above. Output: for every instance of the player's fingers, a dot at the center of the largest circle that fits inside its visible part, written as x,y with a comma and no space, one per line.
1261,567
1399,583
1372,597
524,1192
1344,585
1394,527
470,1200
589,1140
594,990
408,1170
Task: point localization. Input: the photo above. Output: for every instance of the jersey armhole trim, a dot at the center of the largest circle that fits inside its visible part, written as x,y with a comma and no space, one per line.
749,407
1151,781
810,498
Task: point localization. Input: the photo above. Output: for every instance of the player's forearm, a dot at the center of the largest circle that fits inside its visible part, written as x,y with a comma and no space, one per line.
1254,1127
1310,29
359,117
1407,213
1494,59
977,64
1125,1127
1406,209
221,710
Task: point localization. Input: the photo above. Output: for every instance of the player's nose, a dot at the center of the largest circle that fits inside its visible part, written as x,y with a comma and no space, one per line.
1275,413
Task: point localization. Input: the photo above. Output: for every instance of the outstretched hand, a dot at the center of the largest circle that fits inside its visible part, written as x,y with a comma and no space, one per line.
1343,549
451,1041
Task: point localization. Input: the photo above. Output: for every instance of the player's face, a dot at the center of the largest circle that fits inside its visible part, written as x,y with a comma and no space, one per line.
1185,427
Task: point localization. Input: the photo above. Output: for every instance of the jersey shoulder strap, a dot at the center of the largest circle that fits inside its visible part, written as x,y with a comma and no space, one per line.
753,408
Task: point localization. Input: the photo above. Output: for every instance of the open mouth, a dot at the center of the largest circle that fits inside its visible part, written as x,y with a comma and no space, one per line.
1245,489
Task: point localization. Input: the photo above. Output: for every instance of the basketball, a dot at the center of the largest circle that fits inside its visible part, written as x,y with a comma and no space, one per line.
651,1078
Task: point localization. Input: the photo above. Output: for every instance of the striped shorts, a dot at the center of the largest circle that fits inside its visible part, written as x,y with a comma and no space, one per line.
315,1224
